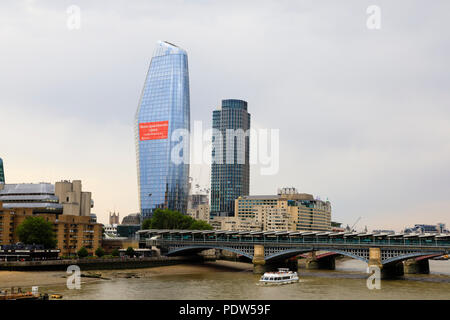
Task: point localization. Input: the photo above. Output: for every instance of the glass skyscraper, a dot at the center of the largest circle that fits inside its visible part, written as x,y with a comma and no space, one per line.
164,108
230,168
2,172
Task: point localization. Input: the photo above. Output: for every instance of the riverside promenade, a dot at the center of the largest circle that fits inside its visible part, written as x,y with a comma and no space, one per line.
97,263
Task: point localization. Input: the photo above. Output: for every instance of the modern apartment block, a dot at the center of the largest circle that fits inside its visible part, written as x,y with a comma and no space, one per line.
230,168
162,117
286,211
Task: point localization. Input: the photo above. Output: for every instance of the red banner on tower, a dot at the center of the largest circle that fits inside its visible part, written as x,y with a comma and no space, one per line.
153,130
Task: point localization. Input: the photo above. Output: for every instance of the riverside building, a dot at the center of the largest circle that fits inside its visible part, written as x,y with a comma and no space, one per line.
63,197
162,116
286,211
64,204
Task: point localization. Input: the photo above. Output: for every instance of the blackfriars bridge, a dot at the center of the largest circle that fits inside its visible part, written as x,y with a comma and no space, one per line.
392,253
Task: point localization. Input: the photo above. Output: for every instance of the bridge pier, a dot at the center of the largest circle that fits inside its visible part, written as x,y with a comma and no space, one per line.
393,270
292,264
312,263
209,255
375,258
327,263
387,271
259,263
412,266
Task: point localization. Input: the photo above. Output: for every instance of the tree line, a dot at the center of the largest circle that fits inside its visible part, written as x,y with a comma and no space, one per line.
169,219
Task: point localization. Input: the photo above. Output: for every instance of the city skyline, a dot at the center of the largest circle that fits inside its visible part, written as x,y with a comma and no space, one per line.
362,114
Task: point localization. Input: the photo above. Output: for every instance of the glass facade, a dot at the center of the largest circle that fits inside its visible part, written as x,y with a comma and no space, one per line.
2,172
164,107
229,179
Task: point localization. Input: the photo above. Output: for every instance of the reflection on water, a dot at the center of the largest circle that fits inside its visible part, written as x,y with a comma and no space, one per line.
347,282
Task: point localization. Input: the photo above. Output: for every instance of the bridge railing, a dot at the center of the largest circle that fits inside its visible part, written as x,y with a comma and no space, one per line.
358,242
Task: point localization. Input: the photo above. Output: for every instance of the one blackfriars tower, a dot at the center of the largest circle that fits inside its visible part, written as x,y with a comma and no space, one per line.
230,168
164,110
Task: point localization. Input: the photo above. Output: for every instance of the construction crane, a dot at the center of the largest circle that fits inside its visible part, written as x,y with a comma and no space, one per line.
357,220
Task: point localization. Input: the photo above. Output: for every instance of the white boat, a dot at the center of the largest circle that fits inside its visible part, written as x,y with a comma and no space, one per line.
283,276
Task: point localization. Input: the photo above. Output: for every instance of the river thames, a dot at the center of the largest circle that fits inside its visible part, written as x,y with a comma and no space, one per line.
229,280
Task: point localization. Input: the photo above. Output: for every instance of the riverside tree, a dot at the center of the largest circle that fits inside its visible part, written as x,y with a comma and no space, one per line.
99,252
82,253
130,252
115,253
35,230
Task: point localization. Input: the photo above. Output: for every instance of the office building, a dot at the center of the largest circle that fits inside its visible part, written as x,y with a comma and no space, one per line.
198,207
132,219
127,230
230,168
163,115
2,172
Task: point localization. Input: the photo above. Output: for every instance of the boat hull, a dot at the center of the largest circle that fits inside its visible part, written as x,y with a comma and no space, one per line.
273,283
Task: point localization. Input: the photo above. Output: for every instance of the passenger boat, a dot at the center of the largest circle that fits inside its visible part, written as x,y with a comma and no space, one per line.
283,276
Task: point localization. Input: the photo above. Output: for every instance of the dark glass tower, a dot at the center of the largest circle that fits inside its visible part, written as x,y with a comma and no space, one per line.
2,172
163,109
230,168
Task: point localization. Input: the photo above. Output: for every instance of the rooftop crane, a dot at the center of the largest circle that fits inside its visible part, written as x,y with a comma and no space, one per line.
357,220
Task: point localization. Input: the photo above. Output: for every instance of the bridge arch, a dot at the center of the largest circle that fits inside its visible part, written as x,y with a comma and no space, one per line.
286,254
407,256
206,247
293,252
350,255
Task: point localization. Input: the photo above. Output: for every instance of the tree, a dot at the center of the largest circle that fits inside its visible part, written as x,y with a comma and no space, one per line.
130,252
169,219
200,225
99,252
82,253
115,253
147,224
35,230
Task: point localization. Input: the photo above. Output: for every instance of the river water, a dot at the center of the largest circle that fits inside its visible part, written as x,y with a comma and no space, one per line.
348,281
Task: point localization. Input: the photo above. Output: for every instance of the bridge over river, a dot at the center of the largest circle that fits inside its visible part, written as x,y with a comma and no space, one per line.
392,253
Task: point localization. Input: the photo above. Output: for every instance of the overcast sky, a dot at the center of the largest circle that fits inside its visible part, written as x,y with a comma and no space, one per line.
364,115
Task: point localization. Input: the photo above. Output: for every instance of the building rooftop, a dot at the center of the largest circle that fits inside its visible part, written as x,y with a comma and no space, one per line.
164,48
261,197
27,188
